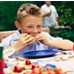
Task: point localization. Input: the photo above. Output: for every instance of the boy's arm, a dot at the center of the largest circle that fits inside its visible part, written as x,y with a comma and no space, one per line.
60,43
63,44
21,43
55,41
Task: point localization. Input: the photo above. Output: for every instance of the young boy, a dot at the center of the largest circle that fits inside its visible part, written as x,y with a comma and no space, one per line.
30,35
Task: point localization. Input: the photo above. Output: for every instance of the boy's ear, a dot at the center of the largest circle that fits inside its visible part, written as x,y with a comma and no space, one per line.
17,24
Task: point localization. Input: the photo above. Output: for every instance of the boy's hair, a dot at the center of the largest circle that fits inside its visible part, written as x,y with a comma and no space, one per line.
28,9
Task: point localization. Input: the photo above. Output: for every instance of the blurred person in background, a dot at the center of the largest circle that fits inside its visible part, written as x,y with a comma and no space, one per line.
51,18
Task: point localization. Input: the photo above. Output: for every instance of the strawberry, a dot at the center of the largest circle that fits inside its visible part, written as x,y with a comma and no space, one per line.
17,69
28,62
33,66
58,71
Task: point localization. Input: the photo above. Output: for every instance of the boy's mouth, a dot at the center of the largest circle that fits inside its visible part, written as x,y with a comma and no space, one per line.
34,35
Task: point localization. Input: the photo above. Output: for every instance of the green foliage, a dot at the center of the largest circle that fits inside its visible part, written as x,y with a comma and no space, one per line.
65,10
67,34
64,33
8,11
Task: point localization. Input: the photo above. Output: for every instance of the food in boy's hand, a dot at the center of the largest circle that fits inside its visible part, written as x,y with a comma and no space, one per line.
26,38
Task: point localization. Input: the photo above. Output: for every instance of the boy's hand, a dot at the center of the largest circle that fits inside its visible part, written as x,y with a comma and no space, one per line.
23,41
42,37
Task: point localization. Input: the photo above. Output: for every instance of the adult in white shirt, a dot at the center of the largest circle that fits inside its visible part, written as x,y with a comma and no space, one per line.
50,15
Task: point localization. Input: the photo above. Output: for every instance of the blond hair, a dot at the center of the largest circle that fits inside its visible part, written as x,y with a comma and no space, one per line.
28,9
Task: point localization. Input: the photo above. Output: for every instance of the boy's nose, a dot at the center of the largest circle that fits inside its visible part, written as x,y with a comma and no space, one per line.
35,30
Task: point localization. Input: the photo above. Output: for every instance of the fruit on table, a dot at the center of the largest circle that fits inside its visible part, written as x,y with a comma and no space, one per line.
58,71
27,62
33,66
36,69
50,71
27,67
17,69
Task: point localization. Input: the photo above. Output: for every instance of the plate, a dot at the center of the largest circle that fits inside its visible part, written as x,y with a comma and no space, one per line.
40,53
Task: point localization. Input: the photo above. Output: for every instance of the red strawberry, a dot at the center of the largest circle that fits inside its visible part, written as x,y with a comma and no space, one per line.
33,66
50,71
58,71
27,62
17,69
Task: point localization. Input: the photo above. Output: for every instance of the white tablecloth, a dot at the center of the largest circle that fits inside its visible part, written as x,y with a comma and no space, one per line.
64,61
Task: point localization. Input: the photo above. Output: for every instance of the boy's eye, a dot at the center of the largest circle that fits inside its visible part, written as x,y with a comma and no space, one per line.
39,26
30,26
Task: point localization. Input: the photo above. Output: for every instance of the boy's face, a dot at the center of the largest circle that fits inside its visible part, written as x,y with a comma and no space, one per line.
31,25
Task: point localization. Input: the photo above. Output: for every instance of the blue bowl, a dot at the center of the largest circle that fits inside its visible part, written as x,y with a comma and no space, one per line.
40,53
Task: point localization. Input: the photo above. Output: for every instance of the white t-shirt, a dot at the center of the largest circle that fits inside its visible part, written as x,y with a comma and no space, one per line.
14,37
49,20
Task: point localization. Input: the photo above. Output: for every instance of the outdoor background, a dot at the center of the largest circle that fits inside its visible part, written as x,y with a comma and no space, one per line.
65,10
